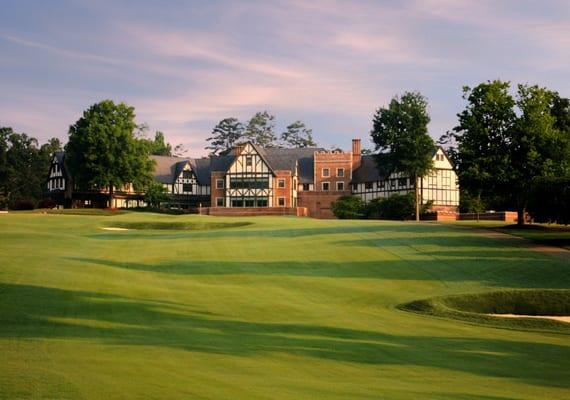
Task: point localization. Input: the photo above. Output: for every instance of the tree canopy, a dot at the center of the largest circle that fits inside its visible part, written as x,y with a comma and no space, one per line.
505,144
400,134
23,167
298,135
225,135
103,151
261,129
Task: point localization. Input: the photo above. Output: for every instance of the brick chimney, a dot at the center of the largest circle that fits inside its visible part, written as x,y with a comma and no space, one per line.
356,156
238,149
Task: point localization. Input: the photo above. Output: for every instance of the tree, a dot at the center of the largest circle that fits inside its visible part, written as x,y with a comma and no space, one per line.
159,146
505,144
261,129
298,135
480,140
400,134
155,194
103,151
224,136
348,207
23,167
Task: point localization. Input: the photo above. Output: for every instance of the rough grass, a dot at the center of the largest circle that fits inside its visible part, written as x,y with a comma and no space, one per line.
473,307
284,308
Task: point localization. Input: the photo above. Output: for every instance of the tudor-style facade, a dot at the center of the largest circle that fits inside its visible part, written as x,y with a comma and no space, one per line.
441,186
256,178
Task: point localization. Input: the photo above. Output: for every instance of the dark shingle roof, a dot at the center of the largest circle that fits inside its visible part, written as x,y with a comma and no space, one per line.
221,163
201,167
369,170
286,159
167,169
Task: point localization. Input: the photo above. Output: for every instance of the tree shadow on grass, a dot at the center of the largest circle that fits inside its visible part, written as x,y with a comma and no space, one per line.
502,271
39,312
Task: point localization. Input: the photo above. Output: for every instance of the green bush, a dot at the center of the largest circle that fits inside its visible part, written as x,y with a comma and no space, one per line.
348,207
396,207
155,194
550,200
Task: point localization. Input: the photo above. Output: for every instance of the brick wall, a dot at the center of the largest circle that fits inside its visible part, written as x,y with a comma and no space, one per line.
214,192
319,203
286,192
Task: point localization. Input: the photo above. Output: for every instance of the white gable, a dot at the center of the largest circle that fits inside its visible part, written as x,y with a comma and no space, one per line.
249,161
441,161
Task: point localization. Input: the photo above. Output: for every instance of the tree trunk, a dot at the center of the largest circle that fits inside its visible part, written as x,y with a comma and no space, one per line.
520,215
111,196
417,196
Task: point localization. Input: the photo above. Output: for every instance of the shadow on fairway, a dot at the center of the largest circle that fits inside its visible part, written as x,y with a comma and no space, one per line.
388,227
490,270
39,312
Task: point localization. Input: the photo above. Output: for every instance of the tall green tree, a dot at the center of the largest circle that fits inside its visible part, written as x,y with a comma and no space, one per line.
298,135
261,129
23,166
224,136
103,152
480,141
159,146
506,144
401,136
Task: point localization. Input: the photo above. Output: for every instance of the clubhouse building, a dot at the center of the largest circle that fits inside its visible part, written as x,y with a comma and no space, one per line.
252,180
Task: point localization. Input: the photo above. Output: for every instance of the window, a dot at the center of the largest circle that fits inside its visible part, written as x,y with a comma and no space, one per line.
187,174
392,183
326,186
219,201
340,172
255,182
368,185
187,187
249,202
248,161
326,172
280,183
381,185
281,201
402,182
219,183
340,186
306,186
354,187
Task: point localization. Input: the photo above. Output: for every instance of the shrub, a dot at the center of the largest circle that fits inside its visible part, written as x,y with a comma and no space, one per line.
396,207
155,194
348,207
550,200
24,204
47,203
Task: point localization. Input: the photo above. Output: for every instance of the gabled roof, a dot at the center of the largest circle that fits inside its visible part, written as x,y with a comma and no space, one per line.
221,163
201,167
167,169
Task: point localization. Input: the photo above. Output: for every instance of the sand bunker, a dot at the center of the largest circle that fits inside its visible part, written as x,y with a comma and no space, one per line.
554,317
114,229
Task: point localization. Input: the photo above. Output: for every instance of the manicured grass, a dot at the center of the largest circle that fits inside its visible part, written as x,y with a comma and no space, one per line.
547,234
283,308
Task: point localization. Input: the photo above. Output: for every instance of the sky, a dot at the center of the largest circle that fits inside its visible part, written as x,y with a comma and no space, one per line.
185,65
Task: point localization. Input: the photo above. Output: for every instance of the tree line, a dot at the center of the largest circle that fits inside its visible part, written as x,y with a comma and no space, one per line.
510,151
260,130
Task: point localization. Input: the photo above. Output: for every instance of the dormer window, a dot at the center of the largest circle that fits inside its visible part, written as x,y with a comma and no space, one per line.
187,174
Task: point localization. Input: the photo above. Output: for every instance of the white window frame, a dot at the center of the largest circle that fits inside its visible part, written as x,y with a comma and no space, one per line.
279,201
279,181
337,185
218,201
218,184
323,186
327,174
340,172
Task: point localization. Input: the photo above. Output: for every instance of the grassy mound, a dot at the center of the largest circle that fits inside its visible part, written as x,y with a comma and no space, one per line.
475,307
177,226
